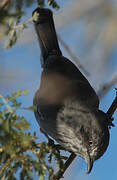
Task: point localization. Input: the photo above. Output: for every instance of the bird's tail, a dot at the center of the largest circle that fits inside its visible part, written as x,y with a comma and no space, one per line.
44,25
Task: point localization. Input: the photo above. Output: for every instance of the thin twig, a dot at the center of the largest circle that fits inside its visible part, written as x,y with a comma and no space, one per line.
73,57
60,173
112,108
3,4
105,88
23,25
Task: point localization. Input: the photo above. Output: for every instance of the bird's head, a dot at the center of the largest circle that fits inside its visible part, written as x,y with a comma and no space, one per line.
98,140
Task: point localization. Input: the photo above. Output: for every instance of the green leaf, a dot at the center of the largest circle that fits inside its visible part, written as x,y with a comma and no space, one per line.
25,92
41,177
35,16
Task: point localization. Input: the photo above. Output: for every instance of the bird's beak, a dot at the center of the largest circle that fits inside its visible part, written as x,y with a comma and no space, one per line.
90,164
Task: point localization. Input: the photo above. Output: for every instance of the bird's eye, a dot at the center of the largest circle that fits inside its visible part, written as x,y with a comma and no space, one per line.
90,142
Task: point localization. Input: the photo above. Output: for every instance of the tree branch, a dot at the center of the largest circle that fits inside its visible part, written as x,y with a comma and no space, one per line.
3,4
105,88
60,173
113,107
73,57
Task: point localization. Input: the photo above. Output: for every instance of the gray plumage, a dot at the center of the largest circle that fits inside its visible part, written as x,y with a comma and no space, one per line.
67,105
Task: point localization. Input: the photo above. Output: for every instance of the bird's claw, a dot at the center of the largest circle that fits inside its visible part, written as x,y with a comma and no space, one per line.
110,121
58,147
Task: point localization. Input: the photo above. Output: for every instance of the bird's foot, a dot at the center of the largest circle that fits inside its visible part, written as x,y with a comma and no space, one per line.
58,147
51,142
110,121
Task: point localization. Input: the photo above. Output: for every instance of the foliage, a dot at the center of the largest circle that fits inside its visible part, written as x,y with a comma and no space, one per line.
11,12
20,155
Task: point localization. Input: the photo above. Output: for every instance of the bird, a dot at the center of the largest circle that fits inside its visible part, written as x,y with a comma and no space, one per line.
67,107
